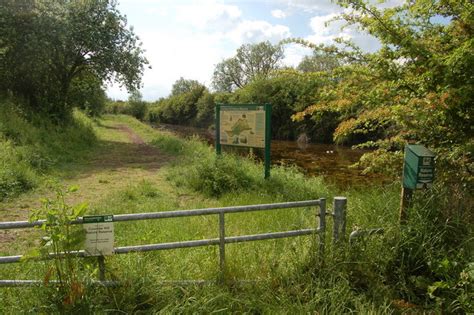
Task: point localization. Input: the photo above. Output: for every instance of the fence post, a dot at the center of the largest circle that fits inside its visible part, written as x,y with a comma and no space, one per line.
101,261
222,245
339,231
322,225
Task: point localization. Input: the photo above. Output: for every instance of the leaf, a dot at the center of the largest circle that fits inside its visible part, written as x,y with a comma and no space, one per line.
73,189
80,210
31,255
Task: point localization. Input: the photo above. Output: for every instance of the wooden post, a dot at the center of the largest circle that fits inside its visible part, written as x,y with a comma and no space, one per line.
101,261
405,203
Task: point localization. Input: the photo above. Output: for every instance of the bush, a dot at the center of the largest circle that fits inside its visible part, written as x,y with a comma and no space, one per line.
221,174
16,175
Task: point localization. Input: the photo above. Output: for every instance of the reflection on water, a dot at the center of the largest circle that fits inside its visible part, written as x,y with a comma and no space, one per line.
327,160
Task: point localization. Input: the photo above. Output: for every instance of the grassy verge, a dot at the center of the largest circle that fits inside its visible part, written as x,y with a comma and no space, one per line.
28,151
422,267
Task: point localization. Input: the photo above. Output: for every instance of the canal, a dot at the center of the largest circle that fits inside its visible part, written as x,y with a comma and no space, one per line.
333,162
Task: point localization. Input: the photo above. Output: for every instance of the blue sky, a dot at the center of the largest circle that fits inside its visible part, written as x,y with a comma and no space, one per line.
186,38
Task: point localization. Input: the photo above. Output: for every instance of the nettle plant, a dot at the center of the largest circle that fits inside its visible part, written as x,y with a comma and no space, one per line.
59,245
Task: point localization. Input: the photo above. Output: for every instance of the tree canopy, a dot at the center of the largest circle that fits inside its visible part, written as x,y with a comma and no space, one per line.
250,62
319,61
46,45
416,88
183,85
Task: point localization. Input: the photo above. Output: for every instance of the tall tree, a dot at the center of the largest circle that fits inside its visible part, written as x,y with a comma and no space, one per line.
183,85
44,48
250,62
319,61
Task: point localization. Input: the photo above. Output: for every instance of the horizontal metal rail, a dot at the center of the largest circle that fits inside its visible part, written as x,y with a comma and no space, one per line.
34,283
175,245
338,215
175,214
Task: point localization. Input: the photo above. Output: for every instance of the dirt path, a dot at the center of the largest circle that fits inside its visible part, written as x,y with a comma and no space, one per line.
117,165
122,159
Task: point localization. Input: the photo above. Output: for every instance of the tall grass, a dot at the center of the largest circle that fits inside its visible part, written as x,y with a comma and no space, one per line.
424,266
29,149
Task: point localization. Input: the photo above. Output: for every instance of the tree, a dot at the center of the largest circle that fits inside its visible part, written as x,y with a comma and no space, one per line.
319,61
45,47
288,91
136,105
416,88
86,92
250,62
184,86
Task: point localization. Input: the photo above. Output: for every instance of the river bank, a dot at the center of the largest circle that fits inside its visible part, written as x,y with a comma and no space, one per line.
335,163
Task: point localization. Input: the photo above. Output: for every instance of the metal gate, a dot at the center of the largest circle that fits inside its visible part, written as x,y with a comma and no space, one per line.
339,227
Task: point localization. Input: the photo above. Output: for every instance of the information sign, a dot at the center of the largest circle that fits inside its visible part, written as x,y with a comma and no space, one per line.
244,125
99,235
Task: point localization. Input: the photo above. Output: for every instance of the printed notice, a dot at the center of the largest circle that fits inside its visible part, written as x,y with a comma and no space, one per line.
242,127
99,235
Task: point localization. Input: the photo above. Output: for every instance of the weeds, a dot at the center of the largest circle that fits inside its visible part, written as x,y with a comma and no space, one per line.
28,150
426,266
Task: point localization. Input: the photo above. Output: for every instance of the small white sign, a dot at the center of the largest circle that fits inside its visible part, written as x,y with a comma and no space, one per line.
99,235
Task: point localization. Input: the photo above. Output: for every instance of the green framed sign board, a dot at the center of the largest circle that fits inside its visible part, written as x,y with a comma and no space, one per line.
244,125
418,167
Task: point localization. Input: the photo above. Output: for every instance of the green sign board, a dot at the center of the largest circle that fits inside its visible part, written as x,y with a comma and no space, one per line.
244,125
419,167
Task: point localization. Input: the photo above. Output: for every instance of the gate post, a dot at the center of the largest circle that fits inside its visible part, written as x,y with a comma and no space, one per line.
322,225
340,206
222,245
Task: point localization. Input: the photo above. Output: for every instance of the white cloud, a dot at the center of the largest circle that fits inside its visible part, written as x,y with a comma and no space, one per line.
279,14
326,28
312,6
188,38
209,15
257,31
294,53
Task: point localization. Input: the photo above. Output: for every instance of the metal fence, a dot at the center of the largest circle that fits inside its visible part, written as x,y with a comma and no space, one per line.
338,214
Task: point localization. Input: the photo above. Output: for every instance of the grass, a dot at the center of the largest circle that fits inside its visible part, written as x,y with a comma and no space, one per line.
392,273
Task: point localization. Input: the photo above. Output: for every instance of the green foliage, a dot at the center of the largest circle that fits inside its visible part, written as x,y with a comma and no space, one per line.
287,91
184,86
136,106
422,267
201,170
16,175
252,61
48,45
61,239
86,93
185,108
433,256
319,61
221,175
417,88
29,150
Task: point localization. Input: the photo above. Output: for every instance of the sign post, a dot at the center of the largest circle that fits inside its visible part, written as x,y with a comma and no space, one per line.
244,125
418,173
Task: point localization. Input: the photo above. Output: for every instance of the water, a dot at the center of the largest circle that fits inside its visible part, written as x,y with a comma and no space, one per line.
333,162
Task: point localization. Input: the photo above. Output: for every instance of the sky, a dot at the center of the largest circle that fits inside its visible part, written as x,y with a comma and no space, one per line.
186,38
